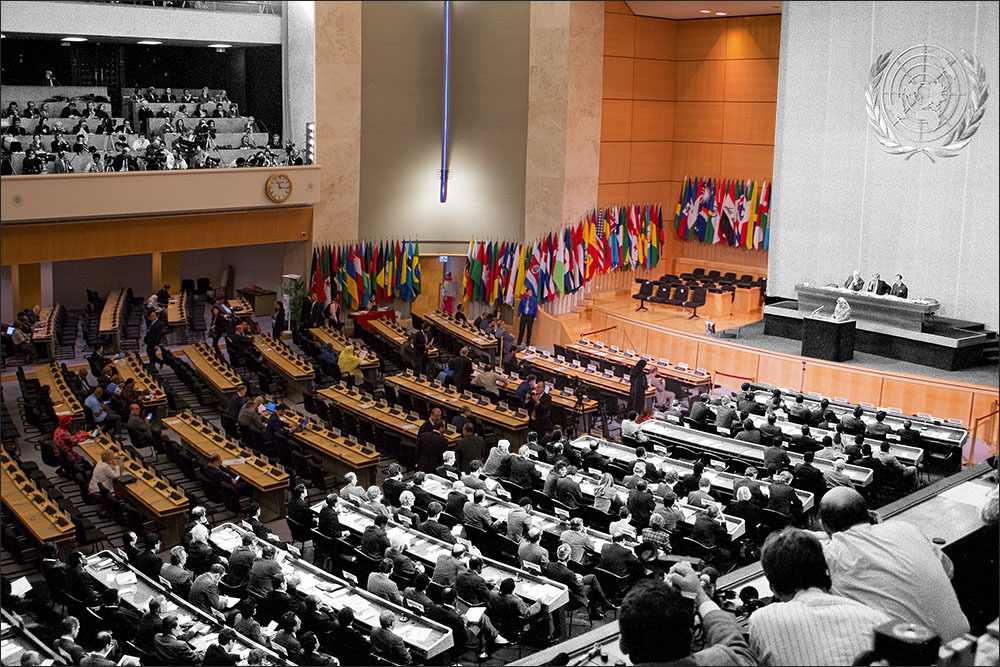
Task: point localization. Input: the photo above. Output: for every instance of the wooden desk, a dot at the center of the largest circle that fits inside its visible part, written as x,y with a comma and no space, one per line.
65,400
160,501
43,331
110,570
426,549
625,455
338,454
886,309
326,335
155,397
565,402
681,381
241,308
552,527
747,300
667,434
465,333
509,423
268,482
16,639
33,508
110,322
718,304
395,334
425,638
261,300
931,429
735,526
298,372
220,377
365,407
549,366
177,319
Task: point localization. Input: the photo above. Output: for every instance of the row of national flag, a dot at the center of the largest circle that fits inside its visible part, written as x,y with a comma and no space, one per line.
731,212
615,238
359,274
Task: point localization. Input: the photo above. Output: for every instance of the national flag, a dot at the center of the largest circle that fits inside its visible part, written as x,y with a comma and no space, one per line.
710,211
754,202
688,195
544,267
742,214
487,272
579,264
352,278
693,207
559,264
415,290
315,275
655,232
679,215
761,230
614,245
533,274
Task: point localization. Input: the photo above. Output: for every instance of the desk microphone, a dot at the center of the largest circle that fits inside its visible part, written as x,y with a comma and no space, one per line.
816,312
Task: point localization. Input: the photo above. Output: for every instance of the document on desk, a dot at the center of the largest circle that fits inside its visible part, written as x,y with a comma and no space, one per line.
414,633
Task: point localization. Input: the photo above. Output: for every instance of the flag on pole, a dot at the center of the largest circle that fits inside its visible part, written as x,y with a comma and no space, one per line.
752,215
680,216
532,278
559,264
415,290
743,214
655,233
761,230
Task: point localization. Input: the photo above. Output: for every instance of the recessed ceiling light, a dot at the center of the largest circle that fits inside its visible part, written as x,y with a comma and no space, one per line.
65,44
706,11
721,14
3,36
74,39
150,42
219,46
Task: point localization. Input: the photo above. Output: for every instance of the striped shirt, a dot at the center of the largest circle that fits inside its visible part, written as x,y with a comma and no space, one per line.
813,628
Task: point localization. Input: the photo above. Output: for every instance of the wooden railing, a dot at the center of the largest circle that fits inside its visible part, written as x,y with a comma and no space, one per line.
992,437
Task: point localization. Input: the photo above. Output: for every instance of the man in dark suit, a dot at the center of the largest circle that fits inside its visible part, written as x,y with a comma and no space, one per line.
455,503
776,458
808,477
899,287
641,505
854,425
782,497
869,461
421,498
853,448
568,489
275,424
434,527
689,482
750,481
218,653
462,368
770,429
593,459
522,469
798,412
909,435
877,285
855,282
700,411
236,402
170,648
430,448
817,415
804,442
147,561
393,484
329,518
617,558
120,621
749,433
586,590
155,331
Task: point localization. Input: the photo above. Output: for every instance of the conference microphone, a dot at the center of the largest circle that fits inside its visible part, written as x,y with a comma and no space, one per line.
816,312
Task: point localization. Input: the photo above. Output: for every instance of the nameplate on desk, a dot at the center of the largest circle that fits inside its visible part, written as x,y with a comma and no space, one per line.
408,373
598,343
382,403
607,373
531,348
646,357
575,363
342,384
682,367
503,406
450,389
467,395
592,368
514,376
560,358
585,341
614,348
413,416
521,412
234,462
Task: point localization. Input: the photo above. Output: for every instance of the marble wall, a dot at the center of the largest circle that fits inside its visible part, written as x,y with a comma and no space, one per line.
338,119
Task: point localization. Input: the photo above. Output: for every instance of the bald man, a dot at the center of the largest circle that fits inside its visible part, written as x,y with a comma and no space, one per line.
889,566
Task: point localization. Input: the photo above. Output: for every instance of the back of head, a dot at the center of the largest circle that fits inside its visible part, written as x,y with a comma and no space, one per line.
842,508
793,561
655,623
809,456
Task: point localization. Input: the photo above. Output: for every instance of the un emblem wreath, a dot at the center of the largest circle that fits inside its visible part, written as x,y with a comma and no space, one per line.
940,109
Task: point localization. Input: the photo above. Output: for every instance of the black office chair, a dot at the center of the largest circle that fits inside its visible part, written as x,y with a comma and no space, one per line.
697,299
645,291
662,294
680,296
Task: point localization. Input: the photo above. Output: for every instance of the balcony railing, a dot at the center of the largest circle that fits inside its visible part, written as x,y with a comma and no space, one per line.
272,7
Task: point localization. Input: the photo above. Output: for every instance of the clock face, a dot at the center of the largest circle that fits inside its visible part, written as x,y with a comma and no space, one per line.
279,188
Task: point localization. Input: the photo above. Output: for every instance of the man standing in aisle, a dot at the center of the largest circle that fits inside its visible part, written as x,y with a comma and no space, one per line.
526,310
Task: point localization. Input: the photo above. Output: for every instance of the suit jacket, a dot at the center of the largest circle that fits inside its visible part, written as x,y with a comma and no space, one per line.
217,656
474,482
446,570
900,290
468,449
235,405
568,492
455,504
856,284
783,499
776,457
430,448
149,564
803,444
421,498
756,494
560,573
471,587
438,530
618,559
374,541
699,412
205,593
391,645
477,516
384,587
329,522
707,531
810,478
878,288
593,460
173,651
523,472
154,334
392,488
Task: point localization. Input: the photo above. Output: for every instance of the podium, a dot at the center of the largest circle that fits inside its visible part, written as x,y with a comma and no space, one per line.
824,338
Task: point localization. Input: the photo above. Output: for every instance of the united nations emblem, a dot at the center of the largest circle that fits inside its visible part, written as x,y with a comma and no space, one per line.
925,100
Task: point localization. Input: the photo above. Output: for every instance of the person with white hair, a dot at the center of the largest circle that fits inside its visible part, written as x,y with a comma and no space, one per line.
837,476
726,413
499,455
855,282
448,468
399,543
404,513
782,497
373,502
351,490
745,508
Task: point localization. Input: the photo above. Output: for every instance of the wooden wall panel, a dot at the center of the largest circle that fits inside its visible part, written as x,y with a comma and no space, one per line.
695,159
654,79
855,386
653,192
614,162
634,336
721,357
746,160
619,35
749,122
939,401
701,40
699,121
678,349
617,7
616,120
651,121
751,80
650,161
779,371
612,193
655,38
753,37
618,78
701,81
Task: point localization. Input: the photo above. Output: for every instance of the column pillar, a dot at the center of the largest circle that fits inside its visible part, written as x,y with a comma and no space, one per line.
26,285
167,271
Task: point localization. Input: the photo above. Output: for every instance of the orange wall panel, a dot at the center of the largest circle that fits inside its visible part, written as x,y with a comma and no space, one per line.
855,386
701,40
751,80
743,160
654,79
654,192
749,122
938,401
982,405
696,159
618,78
655,38
650,161
614,162
612,193
753,37
698,121
721,357
619,35
652,121
616,120
617,7
779,371
701,81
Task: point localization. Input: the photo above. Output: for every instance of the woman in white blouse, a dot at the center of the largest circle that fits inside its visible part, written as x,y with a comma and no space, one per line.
105,473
